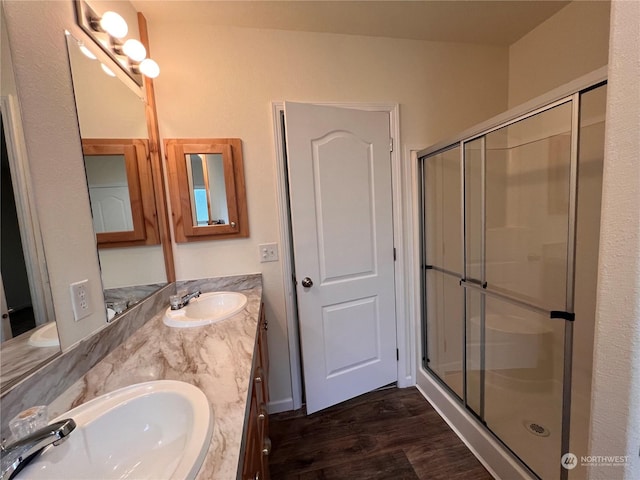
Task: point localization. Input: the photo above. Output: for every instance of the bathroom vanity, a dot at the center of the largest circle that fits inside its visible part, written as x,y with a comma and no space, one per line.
226,360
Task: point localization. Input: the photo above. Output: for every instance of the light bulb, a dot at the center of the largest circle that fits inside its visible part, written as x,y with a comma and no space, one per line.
107,70
86,51
133,49
150,68
114,24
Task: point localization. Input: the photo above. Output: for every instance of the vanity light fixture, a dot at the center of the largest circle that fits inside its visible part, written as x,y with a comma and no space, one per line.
149,68
133,49
109,32
111,23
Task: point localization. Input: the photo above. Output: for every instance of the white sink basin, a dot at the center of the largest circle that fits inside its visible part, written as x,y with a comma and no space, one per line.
154,430
45,336
206,309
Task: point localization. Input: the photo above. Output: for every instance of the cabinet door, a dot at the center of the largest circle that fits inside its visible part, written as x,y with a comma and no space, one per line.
253,452
265,441
263,416
263,355
258,444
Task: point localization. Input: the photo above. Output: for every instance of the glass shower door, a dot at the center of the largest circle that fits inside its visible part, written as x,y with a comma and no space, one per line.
517,228
509,258
442,258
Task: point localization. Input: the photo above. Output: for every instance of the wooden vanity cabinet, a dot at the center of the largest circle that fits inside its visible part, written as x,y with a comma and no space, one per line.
257,442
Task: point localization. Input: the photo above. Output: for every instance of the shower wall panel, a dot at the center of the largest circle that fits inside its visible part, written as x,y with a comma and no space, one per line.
528,166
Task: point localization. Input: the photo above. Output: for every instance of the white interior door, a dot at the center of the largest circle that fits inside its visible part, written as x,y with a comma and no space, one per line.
341,214
111,208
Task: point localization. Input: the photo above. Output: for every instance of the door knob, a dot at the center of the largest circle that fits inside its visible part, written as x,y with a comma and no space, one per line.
307,282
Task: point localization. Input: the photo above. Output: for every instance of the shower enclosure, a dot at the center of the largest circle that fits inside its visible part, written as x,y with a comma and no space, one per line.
509,238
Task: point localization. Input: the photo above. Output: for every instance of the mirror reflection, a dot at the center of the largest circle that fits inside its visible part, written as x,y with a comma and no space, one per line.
207,188
113,130
21,309
206,183
27,331
120,192
109,192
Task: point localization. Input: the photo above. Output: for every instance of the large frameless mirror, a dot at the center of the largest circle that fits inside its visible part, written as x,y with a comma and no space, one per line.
113,129
28,331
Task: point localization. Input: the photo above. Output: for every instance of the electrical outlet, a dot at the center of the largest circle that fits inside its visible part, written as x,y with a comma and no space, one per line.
268,252
81,300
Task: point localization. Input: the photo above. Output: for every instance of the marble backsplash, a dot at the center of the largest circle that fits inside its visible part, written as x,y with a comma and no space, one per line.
131,295
233,283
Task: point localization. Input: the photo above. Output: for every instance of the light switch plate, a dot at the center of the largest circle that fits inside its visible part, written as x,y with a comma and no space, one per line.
268,252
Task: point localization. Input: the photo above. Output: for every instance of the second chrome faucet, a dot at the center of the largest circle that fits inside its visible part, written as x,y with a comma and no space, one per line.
181,300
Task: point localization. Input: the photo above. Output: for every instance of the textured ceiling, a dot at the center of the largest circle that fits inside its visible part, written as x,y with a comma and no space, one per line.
469,21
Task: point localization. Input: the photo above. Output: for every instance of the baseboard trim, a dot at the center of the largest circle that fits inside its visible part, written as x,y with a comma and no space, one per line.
279,406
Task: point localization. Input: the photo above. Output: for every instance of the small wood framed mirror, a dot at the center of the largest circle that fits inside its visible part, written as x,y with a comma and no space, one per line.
207,189
121,192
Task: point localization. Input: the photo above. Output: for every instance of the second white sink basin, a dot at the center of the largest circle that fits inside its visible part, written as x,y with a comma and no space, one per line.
45,336
206,309
154,430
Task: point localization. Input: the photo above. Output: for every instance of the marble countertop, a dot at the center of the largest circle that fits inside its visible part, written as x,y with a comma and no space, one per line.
216,358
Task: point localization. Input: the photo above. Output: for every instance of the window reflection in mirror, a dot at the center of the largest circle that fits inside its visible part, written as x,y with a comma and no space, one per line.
206,183
207,188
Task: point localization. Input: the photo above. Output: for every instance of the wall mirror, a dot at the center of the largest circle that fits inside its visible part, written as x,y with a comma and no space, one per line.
120,191
28,332
113,129
206,183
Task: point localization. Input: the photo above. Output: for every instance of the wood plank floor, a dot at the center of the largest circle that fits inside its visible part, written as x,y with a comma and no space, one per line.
390,434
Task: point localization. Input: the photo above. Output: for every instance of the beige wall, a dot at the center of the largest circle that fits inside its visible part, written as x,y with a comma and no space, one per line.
573,42
615,425
7,80
220,82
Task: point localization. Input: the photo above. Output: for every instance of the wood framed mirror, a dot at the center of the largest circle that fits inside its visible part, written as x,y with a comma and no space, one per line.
121,192
207,189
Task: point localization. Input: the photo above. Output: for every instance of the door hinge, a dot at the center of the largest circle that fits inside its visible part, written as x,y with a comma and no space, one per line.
397,355
394,254
391,144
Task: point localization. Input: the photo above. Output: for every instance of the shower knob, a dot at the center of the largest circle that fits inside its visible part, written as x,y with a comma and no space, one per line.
307,282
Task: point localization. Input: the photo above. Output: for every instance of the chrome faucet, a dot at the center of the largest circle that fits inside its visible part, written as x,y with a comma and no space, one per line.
179,301
16,455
